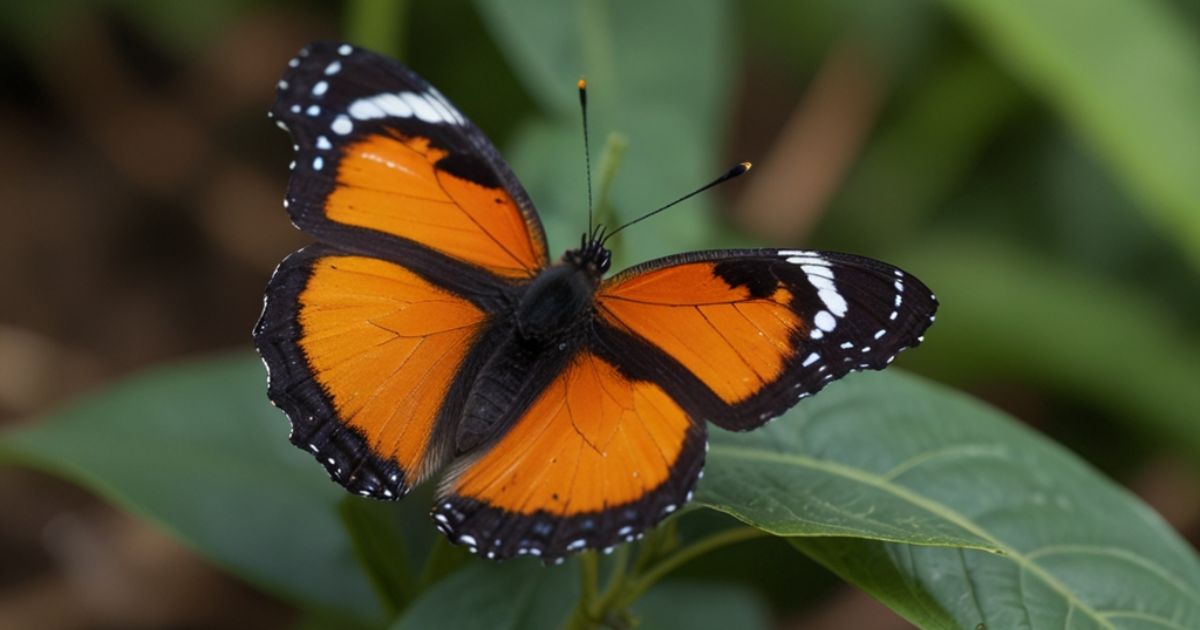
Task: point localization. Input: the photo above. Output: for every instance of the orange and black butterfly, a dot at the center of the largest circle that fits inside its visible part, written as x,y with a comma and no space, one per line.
429,330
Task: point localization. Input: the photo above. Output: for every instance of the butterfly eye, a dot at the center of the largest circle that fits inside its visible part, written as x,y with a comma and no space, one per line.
605,260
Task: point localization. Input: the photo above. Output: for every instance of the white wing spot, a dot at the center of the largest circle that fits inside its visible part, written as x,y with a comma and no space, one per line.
440,107
333,68
811,359
421,107
393,105
833,301
342,125
458,117
320,88
366,109
825,321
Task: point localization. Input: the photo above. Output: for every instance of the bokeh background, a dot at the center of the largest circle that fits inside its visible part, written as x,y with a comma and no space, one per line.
1037,164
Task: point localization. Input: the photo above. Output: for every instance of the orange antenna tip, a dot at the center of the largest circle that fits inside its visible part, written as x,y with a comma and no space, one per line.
582,84
747,165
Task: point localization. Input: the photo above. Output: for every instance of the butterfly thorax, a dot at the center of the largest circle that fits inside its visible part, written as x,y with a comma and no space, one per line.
560,298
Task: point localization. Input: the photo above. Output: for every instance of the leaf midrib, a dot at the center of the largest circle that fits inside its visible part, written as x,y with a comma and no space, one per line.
934,507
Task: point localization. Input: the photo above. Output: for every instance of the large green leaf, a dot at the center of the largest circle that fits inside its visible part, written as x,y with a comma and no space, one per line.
524,594
886,457
198,449
669,100
509,596
1126,75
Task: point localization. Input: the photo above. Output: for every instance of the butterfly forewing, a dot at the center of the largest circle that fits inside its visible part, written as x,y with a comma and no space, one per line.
742,335
384,161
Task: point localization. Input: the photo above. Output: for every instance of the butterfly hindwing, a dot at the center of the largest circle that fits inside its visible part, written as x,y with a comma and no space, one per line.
739,336
384,163
600,456
362,354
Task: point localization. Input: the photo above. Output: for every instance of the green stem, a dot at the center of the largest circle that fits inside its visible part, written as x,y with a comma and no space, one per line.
616,576
586,611
589,575
642,583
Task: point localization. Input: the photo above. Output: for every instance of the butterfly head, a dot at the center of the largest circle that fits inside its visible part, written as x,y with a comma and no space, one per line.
591,256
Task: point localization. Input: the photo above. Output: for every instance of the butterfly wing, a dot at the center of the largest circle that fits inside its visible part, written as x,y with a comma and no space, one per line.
370,337
739,336
600,456
367,360
386,166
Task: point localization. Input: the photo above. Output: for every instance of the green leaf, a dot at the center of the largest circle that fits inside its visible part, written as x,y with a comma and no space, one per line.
670,101
1126,75
510,596
692,605
524,594
197,449
890,457
375,530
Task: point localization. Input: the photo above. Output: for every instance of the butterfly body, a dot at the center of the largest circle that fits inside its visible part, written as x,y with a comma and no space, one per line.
429,332
558,304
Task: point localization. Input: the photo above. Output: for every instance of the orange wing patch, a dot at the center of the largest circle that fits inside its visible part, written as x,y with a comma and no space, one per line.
732,341
592,441
385,345
391,184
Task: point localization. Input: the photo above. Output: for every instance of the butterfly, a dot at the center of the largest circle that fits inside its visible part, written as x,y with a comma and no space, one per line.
428,330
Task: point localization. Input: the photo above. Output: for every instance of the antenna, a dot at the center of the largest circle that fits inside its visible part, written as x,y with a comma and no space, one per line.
587,151
737,169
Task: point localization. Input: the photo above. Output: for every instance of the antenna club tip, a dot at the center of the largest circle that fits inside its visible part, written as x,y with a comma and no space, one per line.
738,169
581,84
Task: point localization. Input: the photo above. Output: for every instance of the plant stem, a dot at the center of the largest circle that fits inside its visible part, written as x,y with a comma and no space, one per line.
586,611
642,583
589,575
616,576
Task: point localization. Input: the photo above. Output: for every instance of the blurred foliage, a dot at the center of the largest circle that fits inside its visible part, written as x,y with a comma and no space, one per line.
1035,163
